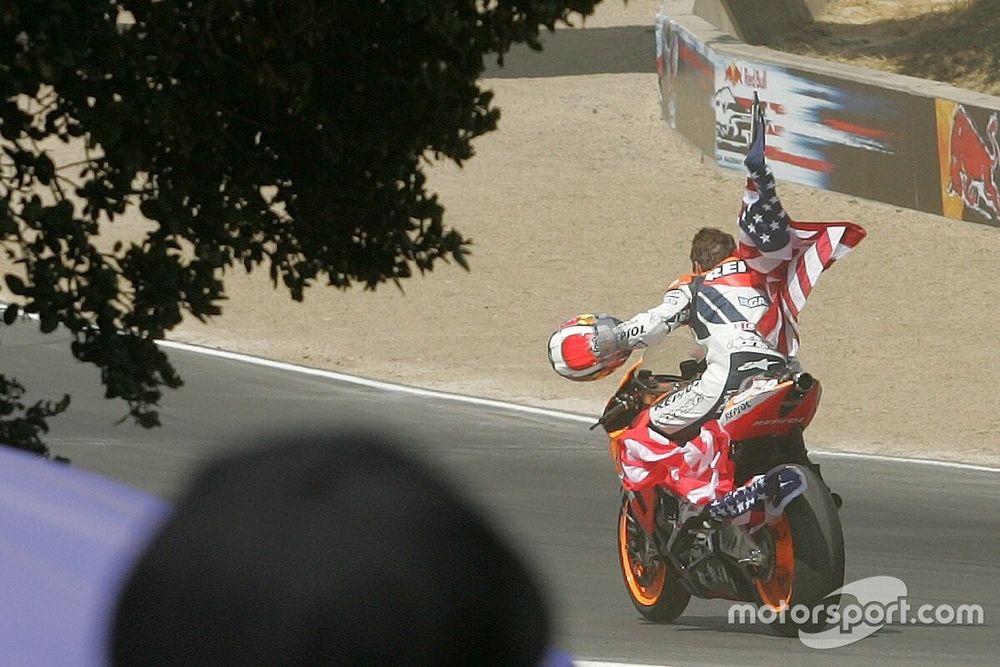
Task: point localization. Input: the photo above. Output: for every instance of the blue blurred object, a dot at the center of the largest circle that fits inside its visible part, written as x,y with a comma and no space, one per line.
68,538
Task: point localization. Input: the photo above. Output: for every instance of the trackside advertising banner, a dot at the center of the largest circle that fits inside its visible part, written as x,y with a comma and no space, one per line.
968,156
835,135
687,82
916,152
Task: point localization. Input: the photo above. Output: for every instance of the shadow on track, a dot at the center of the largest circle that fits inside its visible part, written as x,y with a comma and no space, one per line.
721,624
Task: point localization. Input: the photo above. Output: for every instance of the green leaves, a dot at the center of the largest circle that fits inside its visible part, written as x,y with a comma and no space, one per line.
284,135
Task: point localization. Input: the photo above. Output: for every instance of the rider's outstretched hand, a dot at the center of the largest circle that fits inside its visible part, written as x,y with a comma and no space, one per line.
754,160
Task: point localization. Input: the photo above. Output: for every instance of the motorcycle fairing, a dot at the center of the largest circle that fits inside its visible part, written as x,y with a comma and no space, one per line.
770,406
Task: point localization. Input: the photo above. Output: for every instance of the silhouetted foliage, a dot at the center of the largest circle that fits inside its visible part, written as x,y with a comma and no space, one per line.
23,425
288,135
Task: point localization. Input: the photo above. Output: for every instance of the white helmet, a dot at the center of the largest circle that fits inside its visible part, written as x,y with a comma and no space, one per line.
584,348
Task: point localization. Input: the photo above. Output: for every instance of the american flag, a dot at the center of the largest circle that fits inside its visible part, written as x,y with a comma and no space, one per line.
790,255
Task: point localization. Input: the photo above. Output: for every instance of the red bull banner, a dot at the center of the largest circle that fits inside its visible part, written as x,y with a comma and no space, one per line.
834,134
845,135
968,155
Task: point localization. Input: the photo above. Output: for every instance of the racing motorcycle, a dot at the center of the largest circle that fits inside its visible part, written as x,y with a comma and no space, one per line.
794,560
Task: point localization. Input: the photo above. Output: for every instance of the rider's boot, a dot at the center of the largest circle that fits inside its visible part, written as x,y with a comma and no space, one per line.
782,485
738,501
778,486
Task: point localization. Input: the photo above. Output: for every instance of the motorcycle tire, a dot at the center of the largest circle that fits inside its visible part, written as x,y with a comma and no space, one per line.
808,547
658,594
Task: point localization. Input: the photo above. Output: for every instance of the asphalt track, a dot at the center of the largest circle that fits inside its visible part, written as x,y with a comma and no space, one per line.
547,482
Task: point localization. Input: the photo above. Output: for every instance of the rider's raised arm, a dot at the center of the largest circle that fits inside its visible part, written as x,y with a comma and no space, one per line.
764,234
789,255
652,326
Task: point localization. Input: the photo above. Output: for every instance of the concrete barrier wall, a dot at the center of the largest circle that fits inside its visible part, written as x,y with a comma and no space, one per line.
900,140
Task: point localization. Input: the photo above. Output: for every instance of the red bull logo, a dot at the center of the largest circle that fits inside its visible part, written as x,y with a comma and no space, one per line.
972,164
746,75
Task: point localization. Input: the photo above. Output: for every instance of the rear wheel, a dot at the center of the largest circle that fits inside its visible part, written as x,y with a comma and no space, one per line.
807,548
651,584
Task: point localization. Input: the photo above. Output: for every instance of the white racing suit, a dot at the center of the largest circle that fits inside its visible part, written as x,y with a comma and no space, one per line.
682,448
722,308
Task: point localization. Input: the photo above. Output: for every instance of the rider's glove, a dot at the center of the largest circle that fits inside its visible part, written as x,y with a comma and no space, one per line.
609,344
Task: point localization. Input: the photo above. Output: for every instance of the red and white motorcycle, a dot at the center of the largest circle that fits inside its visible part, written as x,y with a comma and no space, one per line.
796,558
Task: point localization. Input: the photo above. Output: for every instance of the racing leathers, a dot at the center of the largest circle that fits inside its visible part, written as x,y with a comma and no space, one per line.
722,308
743,313
680,446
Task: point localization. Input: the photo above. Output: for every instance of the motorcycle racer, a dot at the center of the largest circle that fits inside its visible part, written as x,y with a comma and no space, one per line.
680,446
721,302
741,303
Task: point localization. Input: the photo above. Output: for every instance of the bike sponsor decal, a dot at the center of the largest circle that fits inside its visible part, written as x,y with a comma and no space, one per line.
735,411
781,420
858,610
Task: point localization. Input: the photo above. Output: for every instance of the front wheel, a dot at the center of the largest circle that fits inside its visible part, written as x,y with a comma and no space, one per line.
651,584
807,548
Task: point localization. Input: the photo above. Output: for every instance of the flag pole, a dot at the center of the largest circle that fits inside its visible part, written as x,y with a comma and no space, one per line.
754,116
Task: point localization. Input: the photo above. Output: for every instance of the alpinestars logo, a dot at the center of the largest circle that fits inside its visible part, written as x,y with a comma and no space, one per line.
758,364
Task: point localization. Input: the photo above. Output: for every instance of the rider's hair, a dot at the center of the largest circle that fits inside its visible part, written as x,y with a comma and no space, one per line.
710,246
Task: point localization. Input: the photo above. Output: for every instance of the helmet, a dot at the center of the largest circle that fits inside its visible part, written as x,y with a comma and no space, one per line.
584,348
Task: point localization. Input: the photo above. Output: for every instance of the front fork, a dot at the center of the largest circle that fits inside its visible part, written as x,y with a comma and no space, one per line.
658,541
642,504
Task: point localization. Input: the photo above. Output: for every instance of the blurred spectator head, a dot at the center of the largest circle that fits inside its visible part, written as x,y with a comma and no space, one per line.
323,548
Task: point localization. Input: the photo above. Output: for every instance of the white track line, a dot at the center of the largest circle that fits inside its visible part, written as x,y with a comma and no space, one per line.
374,384
503,405
513,407
834,454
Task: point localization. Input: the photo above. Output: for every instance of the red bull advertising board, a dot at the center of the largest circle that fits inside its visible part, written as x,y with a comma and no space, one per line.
968,155
836,133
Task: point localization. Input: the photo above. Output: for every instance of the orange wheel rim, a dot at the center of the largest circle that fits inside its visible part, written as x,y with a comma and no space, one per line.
650,593
776,592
